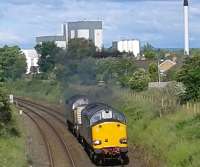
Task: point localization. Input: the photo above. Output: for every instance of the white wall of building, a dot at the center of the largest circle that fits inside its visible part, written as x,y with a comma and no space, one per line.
72,34
98,33
120,46
136,47
83,33
61,44
132,46
31,59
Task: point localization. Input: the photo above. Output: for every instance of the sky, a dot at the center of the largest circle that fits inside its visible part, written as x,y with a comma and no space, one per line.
159,22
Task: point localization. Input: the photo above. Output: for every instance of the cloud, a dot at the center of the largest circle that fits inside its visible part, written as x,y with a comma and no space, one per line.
9,38
155,21
26,2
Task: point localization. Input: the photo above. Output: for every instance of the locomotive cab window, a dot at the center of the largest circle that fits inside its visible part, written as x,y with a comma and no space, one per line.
119,116
95,118
107,114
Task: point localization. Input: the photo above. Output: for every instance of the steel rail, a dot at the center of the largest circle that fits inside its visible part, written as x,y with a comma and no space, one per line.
47,146
45,110
66,148
43,106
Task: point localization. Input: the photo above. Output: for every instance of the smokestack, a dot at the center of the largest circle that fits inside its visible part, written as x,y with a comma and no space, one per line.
186,27
64,31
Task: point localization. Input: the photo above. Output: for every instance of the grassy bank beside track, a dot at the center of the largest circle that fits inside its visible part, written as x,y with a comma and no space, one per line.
12,145
173,138
50,91
170,139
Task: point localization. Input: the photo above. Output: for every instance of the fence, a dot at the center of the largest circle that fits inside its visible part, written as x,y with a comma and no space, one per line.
191,107
165,103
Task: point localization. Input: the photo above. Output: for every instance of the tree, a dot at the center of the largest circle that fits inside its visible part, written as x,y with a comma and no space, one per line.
189,75
47,51
139,80
153,72
12,63
123,69
119,69
81,48
5,115
149,51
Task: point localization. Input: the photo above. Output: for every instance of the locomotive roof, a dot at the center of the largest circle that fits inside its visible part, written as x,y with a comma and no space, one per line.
74,98
92,108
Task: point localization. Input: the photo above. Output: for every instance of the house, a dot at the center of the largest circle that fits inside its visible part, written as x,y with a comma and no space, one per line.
166,65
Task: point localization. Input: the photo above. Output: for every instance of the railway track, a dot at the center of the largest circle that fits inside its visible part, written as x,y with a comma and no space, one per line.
57,134
58,117
47,146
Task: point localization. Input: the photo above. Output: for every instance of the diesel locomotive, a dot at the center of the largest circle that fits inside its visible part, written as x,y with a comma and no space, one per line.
101,129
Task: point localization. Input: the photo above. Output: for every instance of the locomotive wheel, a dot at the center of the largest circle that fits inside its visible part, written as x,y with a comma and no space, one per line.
98,160
124,159
121,160
91,154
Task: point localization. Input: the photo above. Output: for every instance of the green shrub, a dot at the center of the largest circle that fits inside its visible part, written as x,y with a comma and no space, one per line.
189,75
5,115
139,80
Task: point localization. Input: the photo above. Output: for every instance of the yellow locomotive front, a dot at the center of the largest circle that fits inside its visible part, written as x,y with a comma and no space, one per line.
104,132
110,138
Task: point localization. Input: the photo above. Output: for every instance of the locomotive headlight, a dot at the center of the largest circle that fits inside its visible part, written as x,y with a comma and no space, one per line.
123,141
96,142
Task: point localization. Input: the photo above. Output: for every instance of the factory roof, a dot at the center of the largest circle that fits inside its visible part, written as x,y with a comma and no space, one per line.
50,38
85,24
80,22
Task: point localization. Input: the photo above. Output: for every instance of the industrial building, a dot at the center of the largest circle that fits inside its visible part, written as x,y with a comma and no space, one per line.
59,40
90,30
128,46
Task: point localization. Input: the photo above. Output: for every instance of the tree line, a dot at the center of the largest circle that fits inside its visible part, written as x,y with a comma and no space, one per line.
12,67
80,63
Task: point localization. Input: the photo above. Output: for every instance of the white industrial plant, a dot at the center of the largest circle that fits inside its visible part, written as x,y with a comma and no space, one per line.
128,46
60,40
32,58
186,27
90,30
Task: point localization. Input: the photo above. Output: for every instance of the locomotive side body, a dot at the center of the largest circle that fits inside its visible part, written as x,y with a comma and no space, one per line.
74,107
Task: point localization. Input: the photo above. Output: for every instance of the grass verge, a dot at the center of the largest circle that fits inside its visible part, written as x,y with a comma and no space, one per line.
36,89
12,147
173,139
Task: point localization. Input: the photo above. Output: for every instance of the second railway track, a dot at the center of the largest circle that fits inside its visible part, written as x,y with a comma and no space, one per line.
47,146
31,110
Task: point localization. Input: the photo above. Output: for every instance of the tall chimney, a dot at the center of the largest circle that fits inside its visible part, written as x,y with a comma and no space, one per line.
186,27
64,30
